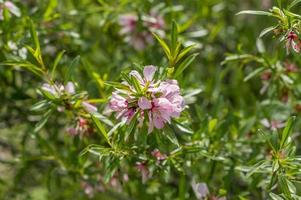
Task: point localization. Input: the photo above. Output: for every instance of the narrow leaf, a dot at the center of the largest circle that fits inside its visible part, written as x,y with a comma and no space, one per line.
101,128
43,121
185,64
287,131
266,31
255,12
294,3
184,52
254,73
174,37
56,62
164,46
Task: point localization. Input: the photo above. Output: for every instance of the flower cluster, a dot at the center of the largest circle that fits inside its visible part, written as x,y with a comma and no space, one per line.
137,31
159,100
57,90
12,8
65,97
66,94
82,127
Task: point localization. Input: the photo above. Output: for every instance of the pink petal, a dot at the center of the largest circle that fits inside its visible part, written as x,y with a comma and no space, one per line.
158,121
162,104
49,88
150,123
69,88
144,103
149,72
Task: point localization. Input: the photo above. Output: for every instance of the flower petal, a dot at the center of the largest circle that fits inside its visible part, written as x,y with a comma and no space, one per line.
144,103
149,72
69,88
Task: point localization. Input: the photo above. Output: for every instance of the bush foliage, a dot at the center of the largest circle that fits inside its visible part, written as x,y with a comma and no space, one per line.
150,99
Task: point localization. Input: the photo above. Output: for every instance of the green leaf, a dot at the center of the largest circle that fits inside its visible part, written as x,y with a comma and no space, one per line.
56,62
283,186
254,12
291,187
112,165
183,128
212,125
268,139
174,38
136,84
257,168
242,57
286,79
52,4
126,77
260,46
116,127
116,85
164,46
34,36
24,64
71,69
95,149
266,31
43,121
132,126
41,105
184,52
294,3
184,64
170,134
101,129
103,118
254,73
275,196
287,131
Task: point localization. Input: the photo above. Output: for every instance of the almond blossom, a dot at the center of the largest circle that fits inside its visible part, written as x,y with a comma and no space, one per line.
160,100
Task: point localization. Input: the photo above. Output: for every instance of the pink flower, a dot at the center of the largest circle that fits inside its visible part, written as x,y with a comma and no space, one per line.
293,42
148,73
50,89
58,90
10,7
143,169
290,68
72,131
158,155
137,34
120,105
128,22
70,88
272,124
160,99
201,190
160,113
82,127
